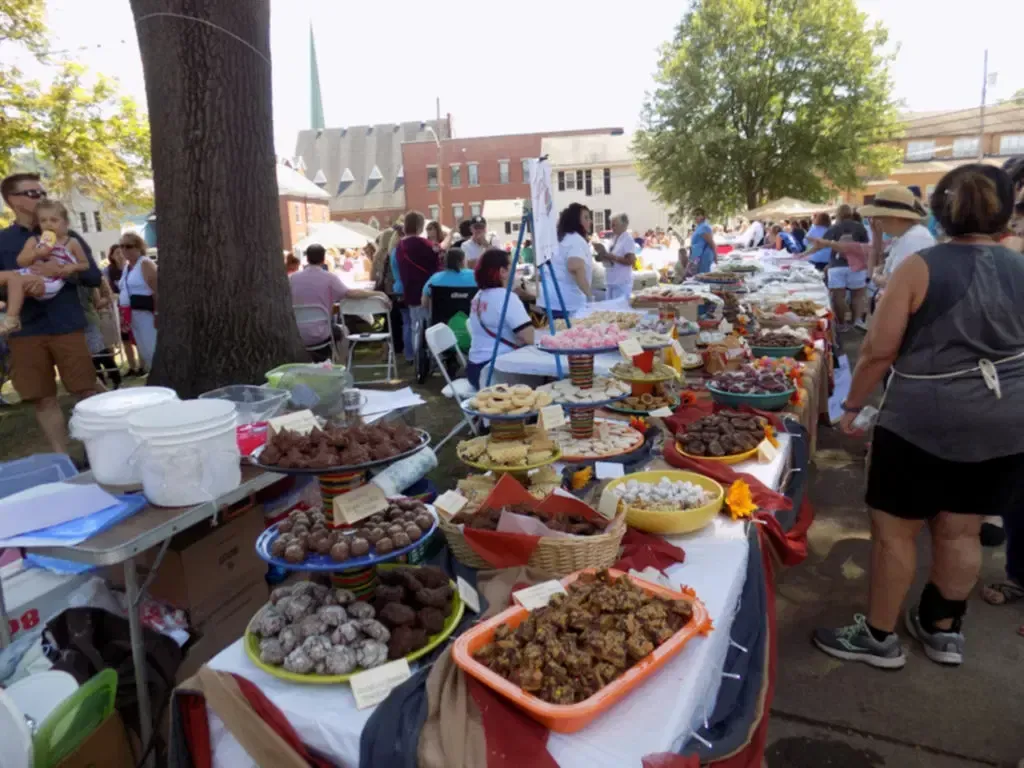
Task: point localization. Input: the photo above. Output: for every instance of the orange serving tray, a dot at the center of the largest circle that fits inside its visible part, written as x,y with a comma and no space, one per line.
569,718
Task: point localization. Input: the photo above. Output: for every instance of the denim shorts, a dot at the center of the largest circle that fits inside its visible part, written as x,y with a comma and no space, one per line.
841,277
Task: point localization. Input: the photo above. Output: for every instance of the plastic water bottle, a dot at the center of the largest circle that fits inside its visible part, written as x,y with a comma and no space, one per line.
866,419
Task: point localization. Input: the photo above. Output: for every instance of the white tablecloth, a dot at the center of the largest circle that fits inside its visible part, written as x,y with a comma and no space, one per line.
659,716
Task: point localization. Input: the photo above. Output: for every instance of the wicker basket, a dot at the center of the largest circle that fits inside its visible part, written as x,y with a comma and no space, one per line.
558,556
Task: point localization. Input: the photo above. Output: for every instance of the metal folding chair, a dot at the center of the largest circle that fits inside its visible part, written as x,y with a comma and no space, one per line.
440,339
371,306
315,315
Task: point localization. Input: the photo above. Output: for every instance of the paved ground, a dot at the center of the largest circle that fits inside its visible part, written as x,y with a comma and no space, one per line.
827,713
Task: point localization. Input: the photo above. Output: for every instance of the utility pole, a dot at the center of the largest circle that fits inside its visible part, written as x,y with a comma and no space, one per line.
440,168
984,94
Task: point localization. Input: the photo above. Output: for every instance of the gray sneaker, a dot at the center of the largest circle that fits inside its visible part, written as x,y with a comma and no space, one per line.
940,647
855,643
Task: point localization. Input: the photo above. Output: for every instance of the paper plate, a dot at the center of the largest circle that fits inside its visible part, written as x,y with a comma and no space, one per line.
525,468
636,412
252,647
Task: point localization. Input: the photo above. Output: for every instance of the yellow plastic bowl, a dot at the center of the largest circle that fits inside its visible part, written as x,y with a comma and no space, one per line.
736,458
678,521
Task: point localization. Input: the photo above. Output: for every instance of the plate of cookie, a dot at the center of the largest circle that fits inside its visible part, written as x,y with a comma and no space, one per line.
610,438
507,402
534,450
603,391
641,405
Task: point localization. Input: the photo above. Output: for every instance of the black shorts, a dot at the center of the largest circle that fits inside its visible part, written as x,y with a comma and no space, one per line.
908,482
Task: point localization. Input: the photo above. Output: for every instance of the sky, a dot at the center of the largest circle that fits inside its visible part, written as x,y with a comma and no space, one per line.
529,66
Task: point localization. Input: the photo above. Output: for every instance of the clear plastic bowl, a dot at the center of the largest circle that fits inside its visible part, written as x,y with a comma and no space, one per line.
313,386
252,403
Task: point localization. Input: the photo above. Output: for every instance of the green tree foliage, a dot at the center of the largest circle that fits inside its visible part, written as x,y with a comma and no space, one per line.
760,99
77,129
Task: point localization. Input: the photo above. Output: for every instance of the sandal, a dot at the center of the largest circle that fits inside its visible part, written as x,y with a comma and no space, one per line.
1002,593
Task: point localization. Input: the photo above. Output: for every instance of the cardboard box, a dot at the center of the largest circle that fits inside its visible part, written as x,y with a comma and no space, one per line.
106,747
204,565
226,625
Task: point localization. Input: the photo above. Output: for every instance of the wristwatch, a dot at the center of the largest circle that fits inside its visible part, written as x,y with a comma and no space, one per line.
850,409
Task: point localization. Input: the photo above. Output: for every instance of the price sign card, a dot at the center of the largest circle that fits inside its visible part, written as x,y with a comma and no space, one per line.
630,348
538,595
677,348
552,416
356,505
450,503
302,422
661,413
468,594
609,504
373,686
606,470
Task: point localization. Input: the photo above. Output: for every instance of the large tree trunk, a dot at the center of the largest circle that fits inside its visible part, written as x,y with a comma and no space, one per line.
224,302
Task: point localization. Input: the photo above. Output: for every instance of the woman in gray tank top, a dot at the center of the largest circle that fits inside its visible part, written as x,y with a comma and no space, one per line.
948,446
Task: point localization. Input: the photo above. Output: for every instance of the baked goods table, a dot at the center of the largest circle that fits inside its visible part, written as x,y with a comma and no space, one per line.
660,716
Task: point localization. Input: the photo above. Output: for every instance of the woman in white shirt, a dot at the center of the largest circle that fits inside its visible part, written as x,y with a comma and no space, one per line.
620,259
573,265
492,274
138,291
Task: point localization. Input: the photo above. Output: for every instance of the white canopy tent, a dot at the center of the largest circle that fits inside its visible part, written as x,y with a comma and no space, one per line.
786,207
333,235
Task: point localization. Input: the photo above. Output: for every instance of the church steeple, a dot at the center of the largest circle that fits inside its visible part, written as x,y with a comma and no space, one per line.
316,103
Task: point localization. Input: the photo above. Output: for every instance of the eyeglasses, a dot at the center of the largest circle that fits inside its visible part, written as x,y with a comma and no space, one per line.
31,194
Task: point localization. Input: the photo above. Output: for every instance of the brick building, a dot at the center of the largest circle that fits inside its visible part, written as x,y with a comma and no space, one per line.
464,173
934,143
301,205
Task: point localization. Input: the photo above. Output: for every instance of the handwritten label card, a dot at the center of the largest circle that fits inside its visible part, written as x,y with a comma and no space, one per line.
450,503
552,416
302,422
678,349
373,686
607,470
630,348
355,505
538,595
609,504
661,413
469,595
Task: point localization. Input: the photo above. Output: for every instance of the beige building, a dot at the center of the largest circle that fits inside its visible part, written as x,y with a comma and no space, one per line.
937,142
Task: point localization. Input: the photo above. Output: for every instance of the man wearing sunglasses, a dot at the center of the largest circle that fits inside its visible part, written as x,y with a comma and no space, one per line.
52,332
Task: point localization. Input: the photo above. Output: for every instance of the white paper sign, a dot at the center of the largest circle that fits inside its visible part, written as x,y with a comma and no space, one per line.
449,503
359,504
538,595
606,470
302,422
552,416
373,686
609,504
545,213
766,452
630,348
469,595
678,349
821,312
661,413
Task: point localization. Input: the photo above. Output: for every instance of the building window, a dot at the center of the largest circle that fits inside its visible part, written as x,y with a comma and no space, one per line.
588,182
458,212
607,181
570,179
431,177
474,209
921,150
966,147
598,220
1011,145
83,222
561,181
456,175
474,174
526,170
511,227
503,172
97,221
579,181
298,213
434,211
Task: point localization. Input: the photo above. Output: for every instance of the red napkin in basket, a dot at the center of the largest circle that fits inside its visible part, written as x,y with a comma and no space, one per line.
508,550
640,550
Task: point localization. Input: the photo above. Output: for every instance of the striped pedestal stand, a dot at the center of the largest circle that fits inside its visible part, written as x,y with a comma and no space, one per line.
581,373
361,581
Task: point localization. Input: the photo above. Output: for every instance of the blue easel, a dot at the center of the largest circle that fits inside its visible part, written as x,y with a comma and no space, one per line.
527,223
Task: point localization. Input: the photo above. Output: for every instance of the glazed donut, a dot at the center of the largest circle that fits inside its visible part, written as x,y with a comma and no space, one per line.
522,401
501,402
521,390
490,408
500,389
483,396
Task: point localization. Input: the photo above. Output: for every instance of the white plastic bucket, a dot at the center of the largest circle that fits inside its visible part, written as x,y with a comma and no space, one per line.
100,422
143,433
188,474
171,418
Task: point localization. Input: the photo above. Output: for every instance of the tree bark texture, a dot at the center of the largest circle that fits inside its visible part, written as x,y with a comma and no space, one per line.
224,303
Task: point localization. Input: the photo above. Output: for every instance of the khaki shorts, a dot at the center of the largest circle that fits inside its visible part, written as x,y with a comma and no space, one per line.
34,357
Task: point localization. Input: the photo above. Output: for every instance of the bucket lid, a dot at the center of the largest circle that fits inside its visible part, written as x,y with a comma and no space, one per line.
228,422
114,404
184,414
199,438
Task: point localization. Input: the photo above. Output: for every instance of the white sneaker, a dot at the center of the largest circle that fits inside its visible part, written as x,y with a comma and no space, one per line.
861,325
